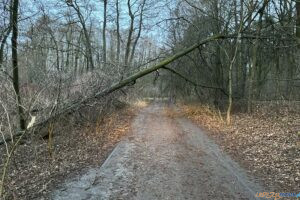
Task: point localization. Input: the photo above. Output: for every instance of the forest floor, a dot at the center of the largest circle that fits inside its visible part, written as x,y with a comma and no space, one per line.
163,154
164,157
77,146
266,143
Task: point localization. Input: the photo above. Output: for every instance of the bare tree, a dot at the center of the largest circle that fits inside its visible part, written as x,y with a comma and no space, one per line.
76,7
104,30
118,31
254,55
130,33
139,32
14,52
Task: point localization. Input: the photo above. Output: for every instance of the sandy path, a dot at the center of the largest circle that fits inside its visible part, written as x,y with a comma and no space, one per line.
163,158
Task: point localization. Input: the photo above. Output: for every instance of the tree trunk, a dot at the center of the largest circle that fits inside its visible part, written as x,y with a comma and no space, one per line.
139,32
130,32
130,79
68,39
241,68
3,42
238,43
298,21
118,32
14,44
228,114
88,47
104,30
254,57
218,64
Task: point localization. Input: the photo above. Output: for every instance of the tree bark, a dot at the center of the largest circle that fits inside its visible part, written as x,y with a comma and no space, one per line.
241,69
104,30
14,51
218,75
118,32
238,41
88,45
298,21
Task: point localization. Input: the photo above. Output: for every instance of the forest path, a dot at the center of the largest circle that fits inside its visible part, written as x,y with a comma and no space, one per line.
163,158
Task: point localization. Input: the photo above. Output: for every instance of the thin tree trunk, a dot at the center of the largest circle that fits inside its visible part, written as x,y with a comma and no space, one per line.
241,58
14,51
68,38
118,32
86,34
218,64
3,42
57,54
228,114
89,47
139,33
104,31
254,57
298,21
112,55
238,43
130,32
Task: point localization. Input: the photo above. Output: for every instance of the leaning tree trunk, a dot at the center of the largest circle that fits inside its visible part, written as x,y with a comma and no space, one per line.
132,79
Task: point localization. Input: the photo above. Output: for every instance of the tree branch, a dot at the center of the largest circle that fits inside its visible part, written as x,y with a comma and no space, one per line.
192,82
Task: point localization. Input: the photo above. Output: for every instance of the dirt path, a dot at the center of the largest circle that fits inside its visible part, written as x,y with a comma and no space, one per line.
163,158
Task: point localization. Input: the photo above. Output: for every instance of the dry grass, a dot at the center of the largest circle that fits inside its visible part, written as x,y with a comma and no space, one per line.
140,103
209,117
266,142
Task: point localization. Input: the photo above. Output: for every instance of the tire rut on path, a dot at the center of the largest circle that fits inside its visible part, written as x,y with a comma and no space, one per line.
163,158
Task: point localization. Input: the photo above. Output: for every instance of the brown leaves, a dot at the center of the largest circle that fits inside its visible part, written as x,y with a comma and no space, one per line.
266,142
75,147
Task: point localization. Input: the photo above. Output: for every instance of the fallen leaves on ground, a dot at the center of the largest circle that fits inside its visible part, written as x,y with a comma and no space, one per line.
76,147
266,142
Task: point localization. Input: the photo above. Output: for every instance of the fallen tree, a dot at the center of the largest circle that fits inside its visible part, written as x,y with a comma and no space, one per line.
131,79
